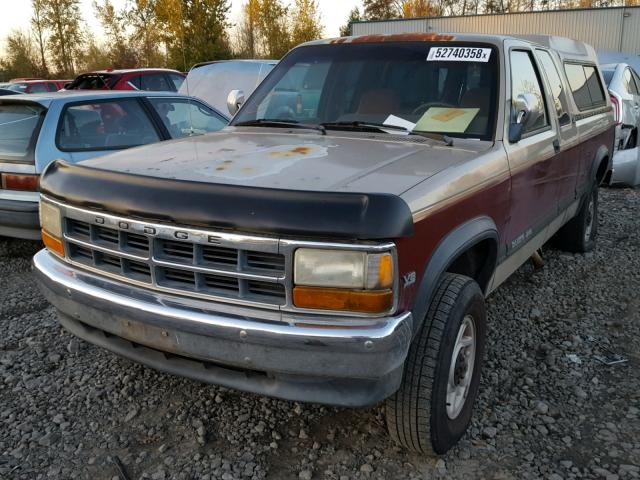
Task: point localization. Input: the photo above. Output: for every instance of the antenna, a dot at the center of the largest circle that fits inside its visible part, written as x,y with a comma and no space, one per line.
184,65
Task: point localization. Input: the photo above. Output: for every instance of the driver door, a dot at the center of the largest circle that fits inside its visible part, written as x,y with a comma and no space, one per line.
534,202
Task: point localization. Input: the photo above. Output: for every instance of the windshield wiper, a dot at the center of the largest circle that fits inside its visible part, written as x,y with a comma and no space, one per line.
381,127
358,125
269,122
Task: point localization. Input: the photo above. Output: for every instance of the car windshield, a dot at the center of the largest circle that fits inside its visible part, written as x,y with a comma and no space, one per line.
93,82
445,88
608,76
18,123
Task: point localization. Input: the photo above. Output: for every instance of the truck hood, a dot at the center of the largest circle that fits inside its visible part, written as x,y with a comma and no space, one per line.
273,158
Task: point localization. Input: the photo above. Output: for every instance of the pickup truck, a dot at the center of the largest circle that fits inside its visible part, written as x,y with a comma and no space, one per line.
336,243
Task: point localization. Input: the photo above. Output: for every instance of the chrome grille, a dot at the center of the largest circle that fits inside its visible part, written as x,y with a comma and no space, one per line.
191,262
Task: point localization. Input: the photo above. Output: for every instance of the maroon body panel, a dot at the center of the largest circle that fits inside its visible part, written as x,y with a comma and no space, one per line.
414,252
528,200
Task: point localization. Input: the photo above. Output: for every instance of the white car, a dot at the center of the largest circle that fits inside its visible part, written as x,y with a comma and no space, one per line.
624,89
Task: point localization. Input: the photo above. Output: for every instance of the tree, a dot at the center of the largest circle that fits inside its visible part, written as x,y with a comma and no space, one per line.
194,30
21,59
38,28
274,30
119,52
382,9
305,22
62,18
146,35
419,8
246,34
354,16
94,56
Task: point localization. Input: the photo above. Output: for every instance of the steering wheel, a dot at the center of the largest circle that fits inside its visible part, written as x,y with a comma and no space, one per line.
423,107
284,112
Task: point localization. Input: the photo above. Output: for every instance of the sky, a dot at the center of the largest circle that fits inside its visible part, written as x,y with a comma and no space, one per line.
16,14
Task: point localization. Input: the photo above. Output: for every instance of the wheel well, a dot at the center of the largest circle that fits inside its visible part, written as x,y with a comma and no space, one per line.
477,262
602,169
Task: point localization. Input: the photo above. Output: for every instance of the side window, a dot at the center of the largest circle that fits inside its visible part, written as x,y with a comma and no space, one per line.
585,85
595,86
155,82
38,88
52,87
629,82
525,81
636,79
555,83
136,82
184,117
176,80
105,125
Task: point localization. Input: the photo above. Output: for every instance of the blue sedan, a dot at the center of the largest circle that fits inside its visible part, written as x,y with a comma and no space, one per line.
76,125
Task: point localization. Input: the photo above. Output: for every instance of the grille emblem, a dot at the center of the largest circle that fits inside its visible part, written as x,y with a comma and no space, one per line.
181,235
149,230
123,225
99,220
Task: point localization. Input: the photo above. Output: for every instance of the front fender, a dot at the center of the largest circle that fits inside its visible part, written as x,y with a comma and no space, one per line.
451,247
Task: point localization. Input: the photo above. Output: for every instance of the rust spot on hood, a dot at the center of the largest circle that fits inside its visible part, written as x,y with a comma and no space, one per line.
291,152
404,37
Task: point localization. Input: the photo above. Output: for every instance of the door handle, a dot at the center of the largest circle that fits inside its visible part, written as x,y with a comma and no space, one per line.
556,145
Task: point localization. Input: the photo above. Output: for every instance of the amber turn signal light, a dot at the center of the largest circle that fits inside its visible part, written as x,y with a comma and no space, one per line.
364,301
25,183
52,243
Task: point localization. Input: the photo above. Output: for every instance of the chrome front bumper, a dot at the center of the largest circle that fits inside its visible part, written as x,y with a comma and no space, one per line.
335,361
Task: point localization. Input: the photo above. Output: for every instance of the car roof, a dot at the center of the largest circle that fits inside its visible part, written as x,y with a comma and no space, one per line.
46,98
566,47
133,70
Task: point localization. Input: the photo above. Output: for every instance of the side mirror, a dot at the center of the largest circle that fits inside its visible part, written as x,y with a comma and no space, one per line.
526,113
235,99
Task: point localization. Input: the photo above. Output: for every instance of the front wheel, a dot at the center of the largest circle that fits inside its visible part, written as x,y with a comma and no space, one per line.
432,409
579,234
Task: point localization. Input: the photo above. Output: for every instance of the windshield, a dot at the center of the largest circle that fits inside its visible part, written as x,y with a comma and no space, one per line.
423,87
93,82
18,125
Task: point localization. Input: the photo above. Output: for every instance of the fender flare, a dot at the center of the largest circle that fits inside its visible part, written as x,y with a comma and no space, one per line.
448,249
600,154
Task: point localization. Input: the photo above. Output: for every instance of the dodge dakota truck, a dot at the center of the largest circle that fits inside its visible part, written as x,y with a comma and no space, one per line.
336,243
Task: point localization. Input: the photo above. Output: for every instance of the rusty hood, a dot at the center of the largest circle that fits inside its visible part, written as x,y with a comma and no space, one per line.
281,159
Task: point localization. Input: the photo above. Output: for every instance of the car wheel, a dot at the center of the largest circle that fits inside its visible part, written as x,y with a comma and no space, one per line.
579,234
432,409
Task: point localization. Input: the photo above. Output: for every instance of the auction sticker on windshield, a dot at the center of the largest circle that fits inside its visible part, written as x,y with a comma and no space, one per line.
459,54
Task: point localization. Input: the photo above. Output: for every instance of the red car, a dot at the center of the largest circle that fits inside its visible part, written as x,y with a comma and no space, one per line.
36,86
150,79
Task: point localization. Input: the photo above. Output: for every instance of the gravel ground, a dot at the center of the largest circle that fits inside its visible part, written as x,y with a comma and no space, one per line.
548,408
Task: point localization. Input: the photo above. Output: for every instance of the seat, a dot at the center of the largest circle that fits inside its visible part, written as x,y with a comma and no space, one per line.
380,100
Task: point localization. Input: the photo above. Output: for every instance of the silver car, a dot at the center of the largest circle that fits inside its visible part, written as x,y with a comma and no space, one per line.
624,89
213,81
39,128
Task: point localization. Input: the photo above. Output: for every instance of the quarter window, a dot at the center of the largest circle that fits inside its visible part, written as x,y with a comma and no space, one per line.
525,81
557,90
155,82
585,85
184,118
105,126
177,80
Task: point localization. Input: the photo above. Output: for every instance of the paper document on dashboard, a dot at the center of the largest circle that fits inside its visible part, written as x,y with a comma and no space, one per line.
394,121
442,119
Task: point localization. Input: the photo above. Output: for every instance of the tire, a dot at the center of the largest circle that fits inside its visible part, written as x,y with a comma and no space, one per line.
418,415
579,234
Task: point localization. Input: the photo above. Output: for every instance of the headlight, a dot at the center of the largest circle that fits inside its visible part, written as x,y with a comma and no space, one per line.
343,280
50,219
51,228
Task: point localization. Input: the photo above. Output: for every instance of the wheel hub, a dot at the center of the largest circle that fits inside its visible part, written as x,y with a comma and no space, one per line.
461,369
